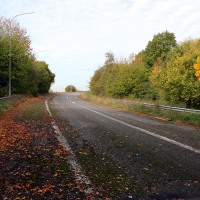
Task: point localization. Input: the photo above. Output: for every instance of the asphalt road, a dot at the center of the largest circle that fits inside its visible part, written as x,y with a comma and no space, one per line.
162,157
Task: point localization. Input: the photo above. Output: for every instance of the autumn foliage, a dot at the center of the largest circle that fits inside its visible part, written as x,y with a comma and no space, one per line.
33,165
164,72
197,68
28,76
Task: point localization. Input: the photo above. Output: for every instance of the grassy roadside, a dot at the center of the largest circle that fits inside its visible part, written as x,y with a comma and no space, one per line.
5,106
175,116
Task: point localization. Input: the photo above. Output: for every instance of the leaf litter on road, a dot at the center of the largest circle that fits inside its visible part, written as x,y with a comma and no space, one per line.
33,165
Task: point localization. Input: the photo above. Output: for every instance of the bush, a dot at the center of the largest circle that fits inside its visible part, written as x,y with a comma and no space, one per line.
70,88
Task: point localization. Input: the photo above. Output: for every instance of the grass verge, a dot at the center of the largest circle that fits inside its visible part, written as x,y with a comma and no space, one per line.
11,102
175,116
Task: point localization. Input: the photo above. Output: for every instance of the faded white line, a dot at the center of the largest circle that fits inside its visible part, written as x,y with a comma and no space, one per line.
140,129
80,177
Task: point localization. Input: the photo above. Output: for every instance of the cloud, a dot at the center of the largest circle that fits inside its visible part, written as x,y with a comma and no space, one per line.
76,34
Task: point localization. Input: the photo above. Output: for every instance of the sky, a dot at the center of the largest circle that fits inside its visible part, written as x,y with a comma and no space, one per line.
72,36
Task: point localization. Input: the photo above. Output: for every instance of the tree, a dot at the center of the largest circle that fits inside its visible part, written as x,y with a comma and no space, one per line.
28,75
3,66
129,80
22,58
197,68
172,73
158,47
44,77
121,79
102,75
70,88
96,82
177,81
110,59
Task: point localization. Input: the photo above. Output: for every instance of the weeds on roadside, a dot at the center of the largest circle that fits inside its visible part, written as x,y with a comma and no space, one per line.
10,103
184,117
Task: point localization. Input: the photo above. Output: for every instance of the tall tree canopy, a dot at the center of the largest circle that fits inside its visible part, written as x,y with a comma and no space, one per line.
164,71
158,47
25,70
177,82
121,79
44,76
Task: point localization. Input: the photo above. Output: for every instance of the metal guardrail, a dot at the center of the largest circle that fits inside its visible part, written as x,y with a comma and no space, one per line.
3,99
173,108
179,109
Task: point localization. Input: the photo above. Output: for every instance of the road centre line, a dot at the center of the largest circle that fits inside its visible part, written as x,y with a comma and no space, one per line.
140,129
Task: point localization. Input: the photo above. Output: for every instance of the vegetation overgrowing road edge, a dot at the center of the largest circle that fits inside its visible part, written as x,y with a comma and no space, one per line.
79,175
165,71
190,119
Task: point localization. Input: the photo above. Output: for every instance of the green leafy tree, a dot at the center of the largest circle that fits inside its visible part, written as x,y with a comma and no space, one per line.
158,47
173,73
177,81
28,76
122,79
3,66
44,77
70,88
22,58
96,82
129,80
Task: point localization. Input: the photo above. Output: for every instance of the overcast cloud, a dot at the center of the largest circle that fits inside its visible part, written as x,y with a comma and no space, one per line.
74,35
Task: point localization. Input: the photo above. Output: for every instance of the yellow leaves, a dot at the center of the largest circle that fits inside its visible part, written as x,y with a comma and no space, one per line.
197,68
157,69
197,74
198,59
156,76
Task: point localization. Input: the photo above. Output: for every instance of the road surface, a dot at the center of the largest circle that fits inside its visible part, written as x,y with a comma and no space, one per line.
159,157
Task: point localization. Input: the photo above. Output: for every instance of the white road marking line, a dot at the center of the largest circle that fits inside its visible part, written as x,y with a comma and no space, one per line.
140,129
80,177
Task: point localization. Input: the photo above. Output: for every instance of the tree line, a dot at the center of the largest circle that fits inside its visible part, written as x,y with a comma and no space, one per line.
165,70
28,76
